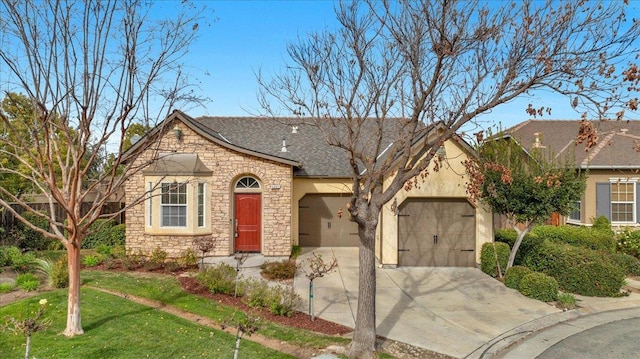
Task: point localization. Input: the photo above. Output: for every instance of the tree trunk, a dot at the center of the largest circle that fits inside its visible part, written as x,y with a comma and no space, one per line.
516,245
74,326
364,337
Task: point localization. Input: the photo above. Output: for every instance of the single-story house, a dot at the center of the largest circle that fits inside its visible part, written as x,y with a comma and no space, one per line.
612,165
261,185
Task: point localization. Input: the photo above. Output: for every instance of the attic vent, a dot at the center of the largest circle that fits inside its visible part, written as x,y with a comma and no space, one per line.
537,143
284,145
294,129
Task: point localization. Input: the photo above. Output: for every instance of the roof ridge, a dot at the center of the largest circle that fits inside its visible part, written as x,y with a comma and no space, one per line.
598,148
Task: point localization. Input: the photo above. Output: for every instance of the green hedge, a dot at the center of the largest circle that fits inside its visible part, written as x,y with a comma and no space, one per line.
514,276
29,239
539,286
104,232
509,236
600,240
577,269
630,264
488,262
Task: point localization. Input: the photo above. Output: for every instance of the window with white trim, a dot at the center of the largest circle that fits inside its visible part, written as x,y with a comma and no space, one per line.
576,213
173,205
200,204
623,201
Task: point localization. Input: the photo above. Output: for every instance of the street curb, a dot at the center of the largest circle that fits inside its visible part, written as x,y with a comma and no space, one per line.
512,336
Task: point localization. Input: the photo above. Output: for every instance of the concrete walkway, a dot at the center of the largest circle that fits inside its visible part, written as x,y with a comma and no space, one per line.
452,311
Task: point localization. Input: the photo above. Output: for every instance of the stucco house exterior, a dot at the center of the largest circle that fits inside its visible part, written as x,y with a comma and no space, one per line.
260,185
613,165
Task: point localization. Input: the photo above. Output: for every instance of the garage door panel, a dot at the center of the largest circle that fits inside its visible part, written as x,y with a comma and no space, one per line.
321,225
436,232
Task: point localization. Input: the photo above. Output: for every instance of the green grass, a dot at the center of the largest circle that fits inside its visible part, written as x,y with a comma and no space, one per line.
117,328
166,289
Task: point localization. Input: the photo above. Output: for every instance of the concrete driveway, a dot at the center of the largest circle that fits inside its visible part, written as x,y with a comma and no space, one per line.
453,311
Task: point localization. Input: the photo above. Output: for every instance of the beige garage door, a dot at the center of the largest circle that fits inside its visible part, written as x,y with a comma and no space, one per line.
436,233
320,224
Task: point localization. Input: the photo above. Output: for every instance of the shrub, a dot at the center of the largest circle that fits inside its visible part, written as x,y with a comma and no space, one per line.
6,287
539,286
283,300
257,293
119,251
23,263
488,262
99,233
27,238
133,260
630,264
295,251
629,242
578,236
117,234
578,270
28,282
188,258
567,301
285,269
7,253
509,236
158,256
219,278
601,223
110,263
172,266
91,260
104,250
59,276
514,275
506,235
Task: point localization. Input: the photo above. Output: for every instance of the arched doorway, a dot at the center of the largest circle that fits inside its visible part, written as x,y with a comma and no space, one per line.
247,221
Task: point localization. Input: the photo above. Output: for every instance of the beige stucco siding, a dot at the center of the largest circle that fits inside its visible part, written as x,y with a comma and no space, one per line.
227,167
303,186
448,182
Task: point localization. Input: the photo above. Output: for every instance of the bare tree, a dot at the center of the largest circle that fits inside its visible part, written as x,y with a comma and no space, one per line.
393,70
89,68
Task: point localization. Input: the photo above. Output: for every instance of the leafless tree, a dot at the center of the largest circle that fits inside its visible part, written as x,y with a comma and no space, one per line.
392,70
90,68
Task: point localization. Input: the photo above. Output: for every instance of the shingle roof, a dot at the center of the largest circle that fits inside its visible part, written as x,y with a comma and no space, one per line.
265,135
615,147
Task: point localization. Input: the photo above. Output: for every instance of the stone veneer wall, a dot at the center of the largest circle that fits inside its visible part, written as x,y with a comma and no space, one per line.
227,167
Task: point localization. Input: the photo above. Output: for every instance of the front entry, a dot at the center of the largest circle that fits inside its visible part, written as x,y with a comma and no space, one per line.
247,222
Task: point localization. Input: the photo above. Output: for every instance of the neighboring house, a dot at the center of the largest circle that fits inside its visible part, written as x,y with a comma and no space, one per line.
259,185
613,164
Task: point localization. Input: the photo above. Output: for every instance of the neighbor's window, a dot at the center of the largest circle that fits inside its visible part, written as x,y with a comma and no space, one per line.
200,204
623,201
150,204
173,205
575,214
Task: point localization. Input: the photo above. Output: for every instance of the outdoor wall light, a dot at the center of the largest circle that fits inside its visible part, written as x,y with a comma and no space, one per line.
441,152
177,132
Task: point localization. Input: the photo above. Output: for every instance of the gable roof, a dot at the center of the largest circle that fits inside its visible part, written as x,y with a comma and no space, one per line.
306,147
615,148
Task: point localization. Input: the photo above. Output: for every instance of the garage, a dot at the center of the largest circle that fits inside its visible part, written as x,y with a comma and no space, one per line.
324,221
436,233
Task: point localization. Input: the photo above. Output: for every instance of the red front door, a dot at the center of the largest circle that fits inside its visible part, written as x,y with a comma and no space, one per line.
247,222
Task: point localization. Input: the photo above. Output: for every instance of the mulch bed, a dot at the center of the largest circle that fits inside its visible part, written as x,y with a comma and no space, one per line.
297,320
190,284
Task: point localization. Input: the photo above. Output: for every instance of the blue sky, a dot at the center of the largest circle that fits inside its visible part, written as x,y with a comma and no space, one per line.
252,35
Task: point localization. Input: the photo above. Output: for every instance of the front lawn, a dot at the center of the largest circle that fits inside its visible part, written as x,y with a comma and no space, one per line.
117,328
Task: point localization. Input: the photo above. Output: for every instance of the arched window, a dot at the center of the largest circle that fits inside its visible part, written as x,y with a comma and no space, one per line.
247,183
